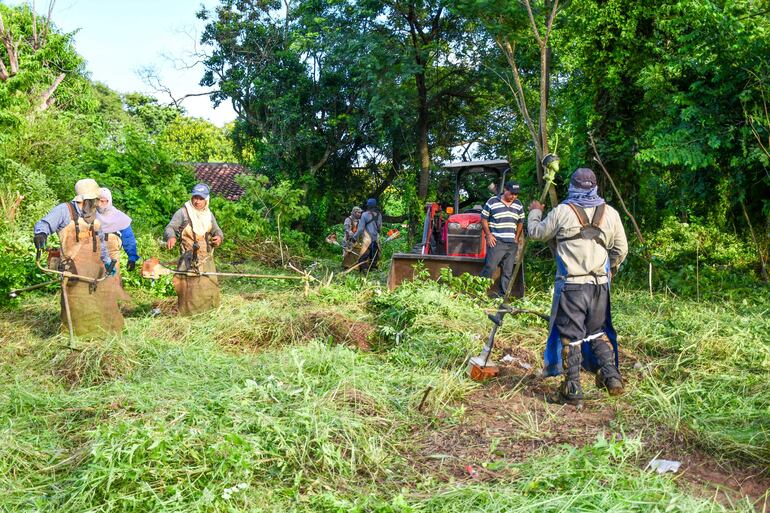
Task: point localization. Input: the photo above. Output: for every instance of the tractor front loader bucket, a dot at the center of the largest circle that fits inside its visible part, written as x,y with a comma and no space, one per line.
402,268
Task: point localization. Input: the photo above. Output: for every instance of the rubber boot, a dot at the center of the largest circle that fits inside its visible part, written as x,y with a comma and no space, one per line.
608,376
570,391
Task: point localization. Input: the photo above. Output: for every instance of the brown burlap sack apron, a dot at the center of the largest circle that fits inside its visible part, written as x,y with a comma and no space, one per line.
93,309
351,249
196,294
114,245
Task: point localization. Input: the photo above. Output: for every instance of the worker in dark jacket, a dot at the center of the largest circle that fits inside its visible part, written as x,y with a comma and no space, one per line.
368,231
590,246
196,226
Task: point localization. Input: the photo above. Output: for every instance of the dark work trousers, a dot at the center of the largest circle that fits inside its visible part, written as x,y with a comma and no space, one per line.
372,255
503,255
582,310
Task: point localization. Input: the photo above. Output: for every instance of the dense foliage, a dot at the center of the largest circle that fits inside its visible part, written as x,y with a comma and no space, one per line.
341,101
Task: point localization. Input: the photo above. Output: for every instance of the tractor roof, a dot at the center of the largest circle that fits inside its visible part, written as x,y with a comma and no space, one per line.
478,164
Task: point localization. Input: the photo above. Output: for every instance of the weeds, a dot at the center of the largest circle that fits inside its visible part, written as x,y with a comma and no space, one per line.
264,405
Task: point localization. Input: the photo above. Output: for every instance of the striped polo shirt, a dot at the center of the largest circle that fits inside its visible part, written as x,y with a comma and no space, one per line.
502,218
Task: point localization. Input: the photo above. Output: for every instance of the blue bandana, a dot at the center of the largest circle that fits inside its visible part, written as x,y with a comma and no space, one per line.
584,198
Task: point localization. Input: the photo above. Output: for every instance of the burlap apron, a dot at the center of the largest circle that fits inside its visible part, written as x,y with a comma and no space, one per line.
351,249
114,245
94,310
196,294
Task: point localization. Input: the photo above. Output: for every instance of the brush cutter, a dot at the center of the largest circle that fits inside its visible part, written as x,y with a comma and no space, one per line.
153,269
15,293
392,235
481,367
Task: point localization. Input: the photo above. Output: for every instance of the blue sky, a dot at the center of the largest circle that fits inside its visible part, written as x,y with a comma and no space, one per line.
120,37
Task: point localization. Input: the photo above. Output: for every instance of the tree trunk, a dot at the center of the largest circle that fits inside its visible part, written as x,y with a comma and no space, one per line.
545,90
422,136
47,99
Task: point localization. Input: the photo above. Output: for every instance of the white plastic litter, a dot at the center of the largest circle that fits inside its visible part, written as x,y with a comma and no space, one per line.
663,466
507,359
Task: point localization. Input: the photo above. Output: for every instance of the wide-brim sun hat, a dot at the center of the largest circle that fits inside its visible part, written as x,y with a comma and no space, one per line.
86,189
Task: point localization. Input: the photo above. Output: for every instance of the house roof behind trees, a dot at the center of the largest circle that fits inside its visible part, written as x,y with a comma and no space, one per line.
220,177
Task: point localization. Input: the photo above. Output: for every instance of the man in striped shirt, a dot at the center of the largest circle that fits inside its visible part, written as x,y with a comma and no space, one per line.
502,219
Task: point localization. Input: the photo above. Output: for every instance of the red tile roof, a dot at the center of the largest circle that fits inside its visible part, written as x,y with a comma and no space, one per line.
220,177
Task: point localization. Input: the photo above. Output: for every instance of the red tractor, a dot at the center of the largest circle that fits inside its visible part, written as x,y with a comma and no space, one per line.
452,237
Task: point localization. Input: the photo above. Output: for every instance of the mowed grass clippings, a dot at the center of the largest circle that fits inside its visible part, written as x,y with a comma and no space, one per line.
226,411
706,369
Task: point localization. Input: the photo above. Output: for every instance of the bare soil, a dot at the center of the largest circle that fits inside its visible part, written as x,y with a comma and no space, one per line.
509,420
342,328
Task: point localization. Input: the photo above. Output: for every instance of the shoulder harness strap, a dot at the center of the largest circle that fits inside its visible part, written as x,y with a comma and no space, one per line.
75,218
593,226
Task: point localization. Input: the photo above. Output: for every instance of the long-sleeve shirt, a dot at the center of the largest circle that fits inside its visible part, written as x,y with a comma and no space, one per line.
129,243
58,218
348,226
584,259
180,220
371,222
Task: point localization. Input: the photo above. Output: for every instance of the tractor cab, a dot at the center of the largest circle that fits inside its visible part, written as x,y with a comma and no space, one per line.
454,222
452,235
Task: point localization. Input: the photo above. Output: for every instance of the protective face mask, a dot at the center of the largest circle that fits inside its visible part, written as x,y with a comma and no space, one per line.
88,206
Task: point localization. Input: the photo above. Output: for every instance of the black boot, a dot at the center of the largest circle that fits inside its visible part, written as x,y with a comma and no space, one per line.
608,376
570,391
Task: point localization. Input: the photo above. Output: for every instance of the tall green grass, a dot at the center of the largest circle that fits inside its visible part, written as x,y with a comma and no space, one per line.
707,369
249,409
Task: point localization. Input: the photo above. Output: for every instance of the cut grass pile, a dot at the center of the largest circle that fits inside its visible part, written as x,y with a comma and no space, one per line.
707,369
258,407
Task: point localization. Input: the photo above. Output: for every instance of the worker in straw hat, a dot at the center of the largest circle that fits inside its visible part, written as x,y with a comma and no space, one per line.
199,232
93,309
590,246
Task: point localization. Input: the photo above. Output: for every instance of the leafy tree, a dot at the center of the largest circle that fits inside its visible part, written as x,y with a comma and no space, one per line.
154,116
196,140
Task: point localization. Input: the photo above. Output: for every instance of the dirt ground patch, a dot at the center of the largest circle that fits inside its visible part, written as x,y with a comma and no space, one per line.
706,476
508,420
342,328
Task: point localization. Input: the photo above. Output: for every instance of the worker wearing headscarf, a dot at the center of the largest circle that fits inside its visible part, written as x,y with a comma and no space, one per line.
349,250
199,232
117,230
93,309
116,227
590,246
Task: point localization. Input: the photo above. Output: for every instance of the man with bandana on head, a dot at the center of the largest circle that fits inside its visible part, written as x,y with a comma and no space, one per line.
93,308
590,246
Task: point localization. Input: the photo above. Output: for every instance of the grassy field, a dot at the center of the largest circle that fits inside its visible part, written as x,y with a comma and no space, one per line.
281,402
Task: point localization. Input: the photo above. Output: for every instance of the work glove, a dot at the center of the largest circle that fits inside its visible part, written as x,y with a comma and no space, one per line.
131,265
110,268
40,239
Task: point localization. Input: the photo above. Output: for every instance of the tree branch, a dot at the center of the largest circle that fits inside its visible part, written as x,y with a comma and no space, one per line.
518,93
598,160
533,23
47,99
551,19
